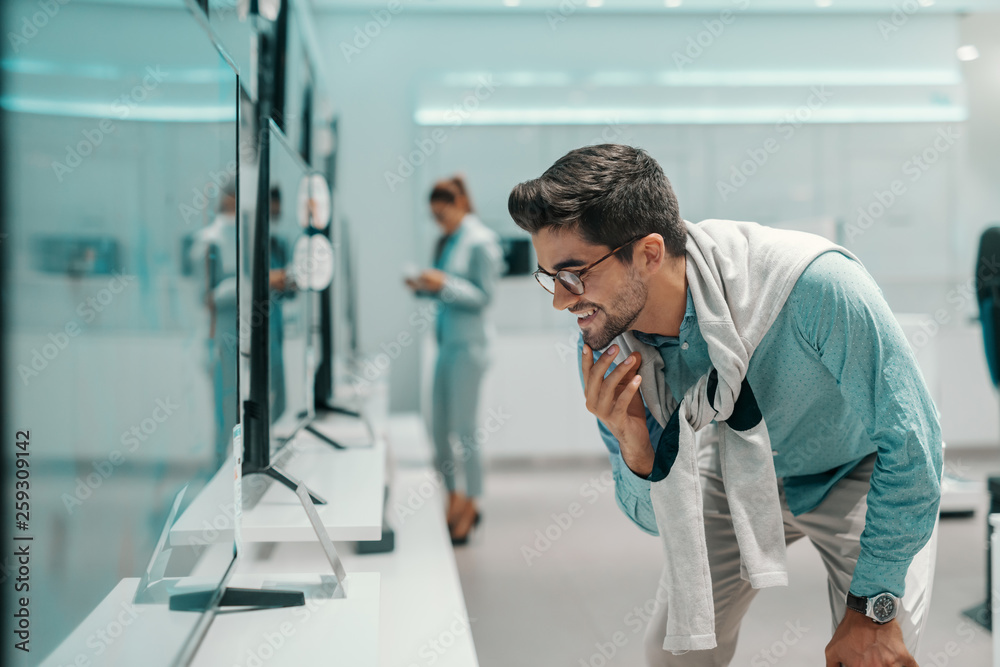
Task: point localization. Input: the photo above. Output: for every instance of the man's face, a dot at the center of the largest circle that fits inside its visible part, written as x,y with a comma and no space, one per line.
614,294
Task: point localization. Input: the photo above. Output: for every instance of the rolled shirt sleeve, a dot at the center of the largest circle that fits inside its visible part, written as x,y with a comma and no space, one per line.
841,314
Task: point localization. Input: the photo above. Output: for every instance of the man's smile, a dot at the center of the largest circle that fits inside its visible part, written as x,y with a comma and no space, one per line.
585,316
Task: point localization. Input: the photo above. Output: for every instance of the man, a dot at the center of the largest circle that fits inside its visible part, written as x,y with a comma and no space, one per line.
828,380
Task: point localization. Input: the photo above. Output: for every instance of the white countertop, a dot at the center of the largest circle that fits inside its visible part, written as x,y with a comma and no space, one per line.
424,620
337,631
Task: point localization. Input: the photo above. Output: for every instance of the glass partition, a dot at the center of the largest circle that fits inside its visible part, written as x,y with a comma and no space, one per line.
121,154
233,24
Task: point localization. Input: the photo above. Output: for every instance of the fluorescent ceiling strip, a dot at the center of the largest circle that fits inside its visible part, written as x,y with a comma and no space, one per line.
116,73
751,78
946,77
139,112
521,79
654,8
688,116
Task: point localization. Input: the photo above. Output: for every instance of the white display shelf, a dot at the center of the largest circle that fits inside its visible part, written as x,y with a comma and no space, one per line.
351,480
117,632
323,632
340,631
423,615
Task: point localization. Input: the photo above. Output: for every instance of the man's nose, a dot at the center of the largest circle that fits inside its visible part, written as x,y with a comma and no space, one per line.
562,298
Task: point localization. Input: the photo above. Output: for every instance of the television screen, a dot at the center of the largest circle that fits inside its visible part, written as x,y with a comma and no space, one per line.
291,303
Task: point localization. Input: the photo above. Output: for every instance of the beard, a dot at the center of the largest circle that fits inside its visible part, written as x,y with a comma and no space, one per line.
620,315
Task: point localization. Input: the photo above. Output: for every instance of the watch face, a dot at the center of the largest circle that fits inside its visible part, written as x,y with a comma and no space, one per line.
884,608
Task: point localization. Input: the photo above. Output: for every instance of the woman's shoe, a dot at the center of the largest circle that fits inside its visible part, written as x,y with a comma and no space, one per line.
456,508
459,540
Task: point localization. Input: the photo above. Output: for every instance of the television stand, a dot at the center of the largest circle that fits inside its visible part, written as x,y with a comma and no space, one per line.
336,409
276,473
238,597
325,438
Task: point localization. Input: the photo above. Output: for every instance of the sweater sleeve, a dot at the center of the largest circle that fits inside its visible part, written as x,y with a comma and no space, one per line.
840,312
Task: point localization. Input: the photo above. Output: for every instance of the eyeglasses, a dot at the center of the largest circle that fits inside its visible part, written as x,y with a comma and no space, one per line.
573,280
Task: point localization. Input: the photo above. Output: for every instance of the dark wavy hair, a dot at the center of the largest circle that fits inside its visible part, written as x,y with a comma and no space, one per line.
609,193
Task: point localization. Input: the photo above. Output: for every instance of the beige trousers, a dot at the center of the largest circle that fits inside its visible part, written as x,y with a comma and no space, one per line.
834,528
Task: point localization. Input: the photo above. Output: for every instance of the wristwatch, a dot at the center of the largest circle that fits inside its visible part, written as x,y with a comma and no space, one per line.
881,608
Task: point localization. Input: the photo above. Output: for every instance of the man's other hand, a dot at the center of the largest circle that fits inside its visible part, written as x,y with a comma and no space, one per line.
861,642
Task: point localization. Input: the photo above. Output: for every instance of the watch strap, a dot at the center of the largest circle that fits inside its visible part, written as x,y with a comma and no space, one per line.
857,603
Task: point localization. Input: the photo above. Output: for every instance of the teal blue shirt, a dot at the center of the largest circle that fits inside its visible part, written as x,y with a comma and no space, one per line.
835,380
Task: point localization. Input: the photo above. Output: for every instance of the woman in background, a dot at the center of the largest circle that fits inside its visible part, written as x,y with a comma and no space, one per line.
468,262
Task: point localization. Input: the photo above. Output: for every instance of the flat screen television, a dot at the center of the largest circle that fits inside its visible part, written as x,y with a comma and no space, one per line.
291,306
277,304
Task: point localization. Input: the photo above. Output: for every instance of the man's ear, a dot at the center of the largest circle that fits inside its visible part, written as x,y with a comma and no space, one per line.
650,253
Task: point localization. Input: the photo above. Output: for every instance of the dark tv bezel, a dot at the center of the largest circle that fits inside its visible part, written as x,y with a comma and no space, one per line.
303,421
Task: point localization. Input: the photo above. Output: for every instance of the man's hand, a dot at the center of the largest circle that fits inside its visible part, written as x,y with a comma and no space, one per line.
861,642
616,401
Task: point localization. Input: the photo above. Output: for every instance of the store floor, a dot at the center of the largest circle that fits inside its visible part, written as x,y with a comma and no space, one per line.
557,575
